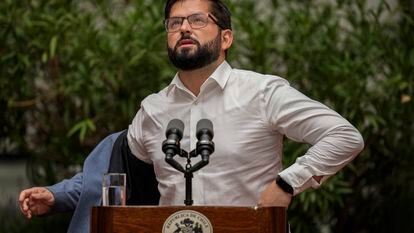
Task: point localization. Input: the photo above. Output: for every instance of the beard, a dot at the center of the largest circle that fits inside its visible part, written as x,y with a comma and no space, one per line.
202,56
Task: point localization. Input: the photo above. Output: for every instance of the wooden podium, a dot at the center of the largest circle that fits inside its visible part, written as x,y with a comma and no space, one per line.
154,219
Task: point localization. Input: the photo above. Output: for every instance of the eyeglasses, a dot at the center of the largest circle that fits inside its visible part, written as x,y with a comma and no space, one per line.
196,21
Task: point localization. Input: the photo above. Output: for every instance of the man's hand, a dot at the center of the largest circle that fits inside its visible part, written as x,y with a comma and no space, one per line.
36,201
273,195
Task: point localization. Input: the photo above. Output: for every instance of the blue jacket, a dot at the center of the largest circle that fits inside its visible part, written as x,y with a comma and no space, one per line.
84,190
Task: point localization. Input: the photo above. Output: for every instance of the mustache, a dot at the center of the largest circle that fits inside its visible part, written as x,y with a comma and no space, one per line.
186,37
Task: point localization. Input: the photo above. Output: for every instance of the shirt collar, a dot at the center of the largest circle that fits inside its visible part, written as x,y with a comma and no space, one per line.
221,75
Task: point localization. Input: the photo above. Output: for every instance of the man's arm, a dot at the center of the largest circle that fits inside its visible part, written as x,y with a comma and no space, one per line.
60,197
335,142
66,193
135,135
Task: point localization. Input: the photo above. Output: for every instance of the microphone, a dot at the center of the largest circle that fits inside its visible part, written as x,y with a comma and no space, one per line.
171,146
204,133
204,147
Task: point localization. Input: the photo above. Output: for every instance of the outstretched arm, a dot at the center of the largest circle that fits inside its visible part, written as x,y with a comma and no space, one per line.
60,197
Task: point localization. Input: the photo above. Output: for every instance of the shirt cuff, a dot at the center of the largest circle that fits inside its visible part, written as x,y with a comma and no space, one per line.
59,206
299,177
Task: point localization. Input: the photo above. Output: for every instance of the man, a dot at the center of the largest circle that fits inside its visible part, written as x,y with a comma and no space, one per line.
251,112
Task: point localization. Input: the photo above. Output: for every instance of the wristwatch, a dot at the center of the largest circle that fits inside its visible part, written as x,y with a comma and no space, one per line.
284,185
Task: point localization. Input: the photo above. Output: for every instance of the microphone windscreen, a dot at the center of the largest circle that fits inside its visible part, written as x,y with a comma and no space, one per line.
205,125
175,124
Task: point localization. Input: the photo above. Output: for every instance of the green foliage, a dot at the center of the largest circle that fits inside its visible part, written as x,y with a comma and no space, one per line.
71,72
359,61
74,71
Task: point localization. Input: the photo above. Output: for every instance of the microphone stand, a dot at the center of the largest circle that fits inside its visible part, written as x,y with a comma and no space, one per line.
188,171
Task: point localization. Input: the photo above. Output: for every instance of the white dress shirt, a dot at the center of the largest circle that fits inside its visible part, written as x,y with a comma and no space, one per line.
251,113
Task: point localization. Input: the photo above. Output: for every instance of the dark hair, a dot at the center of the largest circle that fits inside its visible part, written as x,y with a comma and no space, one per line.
218,9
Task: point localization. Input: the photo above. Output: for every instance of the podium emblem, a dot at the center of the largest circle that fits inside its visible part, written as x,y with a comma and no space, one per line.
187,221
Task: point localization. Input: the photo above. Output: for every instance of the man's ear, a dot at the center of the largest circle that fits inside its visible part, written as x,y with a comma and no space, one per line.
226,39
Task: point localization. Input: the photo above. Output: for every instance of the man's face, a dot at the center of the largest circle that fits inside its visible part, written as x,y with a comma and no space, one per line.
189,48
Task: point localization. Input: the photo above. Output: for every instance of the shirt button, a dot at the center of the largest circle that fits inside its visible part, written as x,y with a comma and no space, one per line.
196,102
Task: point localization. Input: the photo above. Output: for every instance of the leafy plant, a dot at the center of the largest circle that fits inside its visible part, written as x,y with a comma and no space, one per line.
71,72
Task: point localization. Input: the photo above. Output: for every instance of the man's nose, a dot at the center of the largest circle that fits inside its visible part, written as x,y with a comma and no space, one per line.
185,26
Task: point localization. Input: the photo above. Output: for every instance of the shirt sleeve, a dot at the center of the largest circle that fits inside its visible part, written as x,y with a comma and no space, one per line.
66,194
335,142
135,137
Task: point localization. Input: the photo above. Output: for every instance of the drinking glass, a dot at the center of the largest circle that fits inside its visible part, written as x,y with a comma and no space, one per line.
113,189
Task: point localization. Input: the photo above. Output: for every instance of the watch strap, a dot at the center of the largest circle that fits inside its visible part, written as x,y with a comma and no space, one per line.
284,185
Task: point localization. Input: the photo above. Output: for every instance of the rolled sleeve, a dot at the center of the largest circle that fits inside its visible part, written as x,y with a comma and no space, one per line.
335,142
